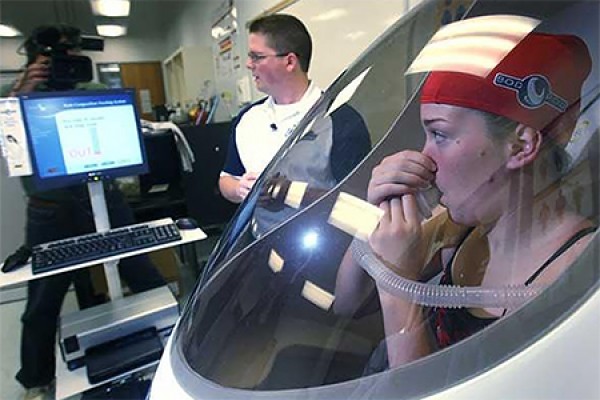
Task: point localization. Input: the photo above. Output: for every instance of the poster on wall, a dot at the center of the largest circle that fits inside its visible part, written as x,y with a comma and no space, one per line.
226,56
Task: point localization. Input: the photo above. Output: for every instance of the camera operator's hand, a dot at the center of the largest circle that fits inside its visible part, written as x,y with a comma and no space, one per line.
36,73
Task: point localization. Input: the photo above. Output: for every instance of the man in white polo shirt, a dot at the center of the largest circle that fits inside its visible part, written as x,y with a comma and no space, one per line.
280,50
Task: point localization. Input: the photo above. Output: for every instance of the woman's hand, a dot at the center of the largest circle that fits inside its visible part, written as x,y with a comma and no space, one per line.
401,173
397,239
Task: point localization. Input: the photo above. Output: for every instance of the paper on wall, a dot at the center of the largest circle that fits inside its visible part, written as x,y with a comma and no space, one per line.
13,140
146,101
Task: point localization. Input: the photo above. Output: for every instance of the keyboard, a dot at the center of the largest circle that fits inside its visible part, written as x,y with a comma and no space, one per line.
63,253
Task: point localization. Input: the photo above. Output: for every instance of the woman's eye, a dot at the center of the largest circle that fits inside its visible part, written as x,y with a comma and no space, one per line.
438,136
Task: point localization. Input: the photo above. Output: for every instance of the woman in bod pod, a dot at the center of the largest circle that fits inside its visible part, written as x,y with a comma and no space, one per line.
485,137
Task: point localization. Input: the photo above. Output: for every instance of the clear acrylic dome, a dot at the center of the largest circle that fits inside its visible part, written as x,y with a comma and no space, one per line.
270,313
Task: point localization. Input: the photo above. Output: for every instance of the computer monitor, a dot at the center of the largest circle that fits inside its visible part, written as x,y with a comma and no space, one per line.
83,136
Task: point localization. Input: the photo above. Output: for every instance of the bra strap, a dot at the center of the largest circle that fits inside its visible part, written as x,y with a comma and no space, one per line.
560,251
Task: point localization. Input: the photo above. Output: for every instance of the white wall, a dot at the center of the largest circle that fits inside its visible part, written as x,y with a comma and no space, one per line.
9,59
12,214
190,32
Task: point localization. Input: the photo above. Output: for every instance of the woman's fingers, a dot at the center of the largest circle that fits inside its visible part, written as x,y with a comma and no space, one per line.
412,162
402,171
399,174
379,193
385,207
411,210
396,211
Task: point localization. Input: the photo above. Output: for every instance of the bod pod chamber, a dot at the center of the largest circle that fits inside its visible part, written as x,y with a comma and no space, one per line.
268,320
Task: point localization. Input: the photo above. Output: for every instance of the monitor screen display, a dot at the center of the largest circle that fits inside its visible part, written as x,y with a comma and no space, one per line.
83,136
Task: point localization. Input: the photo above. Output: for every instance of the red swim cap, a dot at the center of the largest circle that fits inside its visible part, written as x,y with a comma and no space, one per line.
539,80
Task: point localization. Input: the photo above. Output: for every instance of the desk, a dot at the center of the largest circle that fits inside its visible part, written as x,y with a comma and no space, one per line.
69,383
25,274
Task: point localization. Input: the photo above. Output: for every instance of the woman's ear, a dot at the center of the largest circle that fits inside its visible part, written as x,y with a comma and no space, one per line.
525,148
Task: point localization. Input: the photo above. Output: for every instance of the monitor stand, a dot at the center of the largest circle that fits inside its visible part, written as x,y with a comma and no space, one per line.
100,211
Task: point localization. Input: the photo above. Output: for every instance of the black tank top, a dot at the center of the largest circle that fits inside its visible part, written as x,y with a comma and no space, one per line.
451,325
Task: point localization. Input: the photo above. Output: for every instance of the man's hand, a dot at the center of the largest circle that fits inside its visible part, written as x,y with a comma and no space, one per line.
36,73
236,189
245,184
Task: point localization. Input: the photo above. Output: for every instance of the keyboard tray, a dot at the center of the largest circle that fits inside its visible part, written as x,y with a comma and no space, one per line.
93,246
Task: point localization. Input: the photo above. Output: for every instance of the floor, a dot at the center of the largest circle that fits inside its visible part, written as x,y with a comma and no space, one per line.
12,304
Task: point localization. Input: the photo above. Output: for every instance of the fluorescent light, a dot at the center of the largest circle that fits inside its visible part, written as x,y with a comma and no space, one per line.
111,8
111,30
8,31
335,13
355,35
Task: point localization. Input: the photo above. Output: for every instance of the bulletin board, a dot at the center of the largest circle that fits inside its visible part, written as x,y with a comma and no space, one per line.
226,56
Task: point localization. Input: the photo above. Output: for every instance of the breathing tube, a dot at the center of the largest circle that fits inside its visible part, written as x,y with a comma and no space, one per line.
434,295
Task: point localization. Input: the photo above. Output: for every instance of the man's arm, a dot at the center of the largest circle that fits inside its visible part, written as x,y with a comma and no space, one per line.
228,185
234,188
235,182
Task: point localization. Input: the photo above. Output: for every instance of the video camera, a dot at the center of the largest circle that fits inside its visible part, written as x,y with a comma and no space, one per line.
66,70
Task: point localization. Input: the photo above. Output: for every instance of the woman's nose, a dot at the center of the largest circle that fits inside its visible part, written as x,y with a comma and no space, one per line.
427,149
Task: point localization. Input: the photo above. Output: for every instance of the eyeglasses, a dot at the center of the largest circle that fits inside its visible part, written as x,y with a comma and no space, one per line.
254,57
